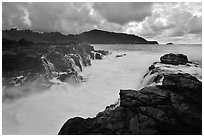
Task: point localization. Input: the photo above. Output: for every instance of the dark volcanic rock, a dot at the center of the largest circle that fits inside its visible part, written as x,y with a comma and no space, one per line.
103,52
170,108
99,56
24,56
174,59
58,60
74,127
121,55
25,62
173,105
184,84
158,70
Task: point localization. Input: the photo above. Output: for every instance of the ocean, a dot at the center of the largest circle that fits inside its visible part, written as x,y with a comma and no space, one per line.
45,112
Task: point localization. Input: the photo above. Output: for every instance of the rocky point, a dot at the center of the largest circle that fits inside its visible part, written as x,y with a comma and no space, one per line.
170,103
27,63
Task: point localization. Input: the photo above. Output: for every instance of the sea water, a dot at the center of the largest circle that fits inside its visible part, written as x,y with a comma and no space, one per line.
45,112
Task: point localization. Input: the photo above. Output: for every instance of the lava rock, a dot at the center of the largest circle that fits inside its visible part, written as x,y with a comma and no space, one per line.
121,55
172,108
103,52
151,110
184,84
98,56
174,59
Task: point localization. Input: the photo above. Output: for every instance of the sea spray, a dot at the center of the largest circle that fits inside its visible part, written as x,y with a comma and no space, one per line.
45,112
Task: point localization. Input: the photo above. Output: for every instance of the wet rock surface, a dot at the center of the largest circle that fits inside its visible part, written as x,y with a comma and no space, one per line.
174,59
120,55
23,57
152,110
98,54
172,107
26,62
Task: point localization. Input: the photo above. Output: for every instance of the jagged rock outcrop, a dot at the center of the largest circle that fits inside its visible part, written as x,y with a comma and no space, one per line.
98,54
103,52
23,57
174,106
158,70
25,62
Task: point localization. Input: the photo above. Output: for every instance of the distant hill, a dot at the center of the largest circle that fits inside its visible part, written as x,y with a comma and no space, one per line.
92,37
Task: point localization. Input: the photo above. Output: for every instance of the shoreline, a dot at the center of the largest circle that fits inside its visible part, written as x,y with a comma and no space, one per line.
151,109
112,106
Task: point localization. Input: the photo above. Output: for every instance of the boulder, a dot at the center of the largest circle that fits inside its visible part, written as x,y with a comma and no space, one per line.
103,52
174,59
120,55
98,56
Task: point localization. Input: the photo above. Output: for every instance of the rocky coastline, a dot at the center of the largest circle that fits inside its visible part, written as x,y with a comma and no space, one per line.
168,103
29,66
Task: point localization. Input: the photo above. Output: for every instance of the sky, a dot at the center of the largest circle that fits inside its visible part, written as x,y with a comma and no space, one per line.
164,22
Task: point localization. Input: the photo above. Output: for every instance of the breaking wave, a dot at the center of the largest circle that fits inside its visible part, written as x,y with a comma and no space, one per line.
45,112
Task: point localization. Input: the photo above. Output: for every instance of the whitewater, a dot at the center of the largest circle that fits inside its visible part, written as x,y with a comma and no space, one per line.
45,112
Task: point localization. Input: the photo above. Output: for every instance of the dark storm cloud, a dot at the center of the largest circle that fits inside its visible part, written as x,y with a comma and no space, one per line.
123,12
149,20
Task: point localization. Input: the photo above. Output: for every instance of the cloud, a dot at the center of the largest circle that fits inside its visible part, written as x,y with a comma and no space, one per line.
195,25
13,15
154,21
63,17
170,20
123,12
180,21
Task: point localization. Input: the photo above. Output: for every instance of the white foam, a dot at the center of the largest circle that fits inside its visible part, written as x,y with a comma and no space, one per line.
46,112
